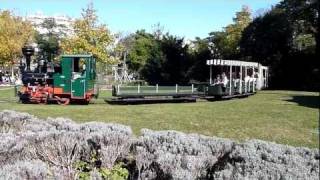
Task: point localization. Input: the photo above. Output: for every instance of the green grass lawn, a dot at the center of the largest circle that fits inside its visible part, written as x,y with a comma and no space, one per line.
286,117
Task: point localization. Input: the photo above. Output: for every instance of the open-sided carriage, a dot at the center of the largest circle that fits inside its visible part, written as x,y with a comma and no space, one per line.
242,78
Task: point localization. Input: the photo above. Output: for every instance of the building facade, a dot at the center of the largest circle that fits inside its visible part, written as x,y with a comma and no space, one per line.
64,23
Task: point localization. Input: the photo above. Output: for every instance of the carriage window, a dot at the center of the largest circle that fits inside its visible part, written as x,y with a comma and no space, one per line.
79,65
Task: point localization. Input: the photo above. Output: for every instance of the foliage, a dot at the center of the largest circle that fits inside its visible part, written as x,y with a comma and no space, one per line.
159,60
304,42
166,59
85,169
176,62
302,16
48,42
288,27
279,38
199,55
191,156
14,34
152,70
90,37
285,40
227,42
116,173
142,48
94,165
66,148
267,38
153,154
158,31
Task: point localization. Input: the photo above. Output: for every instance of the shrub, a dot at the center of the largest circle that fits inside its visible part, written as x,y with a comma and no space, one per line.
32,148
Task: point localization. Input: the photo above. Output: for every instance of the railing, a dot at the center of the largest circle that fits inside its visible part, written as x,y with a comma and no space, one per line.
154,90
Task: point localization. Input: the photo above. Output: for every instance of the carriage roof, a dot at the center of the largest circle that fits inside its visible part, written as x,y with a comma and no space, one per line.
221,62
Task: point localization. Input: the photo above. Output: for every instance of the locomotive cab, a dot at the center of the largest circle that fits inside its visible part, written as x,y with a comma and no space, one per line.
77,76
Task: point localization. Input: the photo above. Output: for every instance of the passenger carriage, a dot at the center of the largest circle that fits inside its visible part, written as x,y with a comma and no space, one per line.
243,78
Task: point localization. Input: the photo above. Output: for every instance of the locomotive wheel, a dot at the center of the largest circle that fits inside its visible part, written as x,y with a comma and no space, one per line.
24,99
62,101
43,101
85,102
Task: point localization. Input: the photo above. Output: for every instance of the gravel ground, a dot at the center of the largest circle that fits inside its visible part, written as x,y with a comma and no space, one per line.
32,148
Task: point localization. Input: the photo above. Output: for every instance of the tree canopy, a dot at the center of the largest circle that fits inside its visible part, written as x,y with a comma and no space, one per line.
142,47
14,34
90,37
283,38
286,38
227,41
49,42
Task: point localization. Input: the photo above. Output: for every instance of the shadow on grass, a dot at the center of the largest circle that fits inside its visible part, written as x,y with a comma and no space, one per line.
306,100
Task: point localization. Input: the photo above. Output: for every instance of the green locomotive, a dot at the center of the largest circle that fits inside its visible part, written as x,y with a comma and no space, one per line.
73,80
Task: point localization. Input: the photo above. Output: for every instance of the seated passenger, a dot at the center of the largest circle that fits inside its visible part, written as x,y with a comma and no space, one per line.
235,83
251,79
255,77
247,78
217,80
224,80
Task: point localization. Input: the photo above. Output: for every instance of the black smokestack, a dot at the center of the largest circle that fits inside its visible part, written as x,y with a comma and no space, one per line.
28,51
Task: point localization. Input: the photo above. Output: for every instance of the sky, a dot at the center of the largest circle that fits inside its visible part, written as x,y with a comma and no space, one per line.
184,18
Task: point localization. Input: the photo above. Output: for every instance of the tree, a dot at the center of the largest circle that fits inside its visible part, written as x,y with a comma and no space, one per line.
14,34
267,38
158,30
176,63
284,39
162,60
288,27
48,42
317,4
153,68
199,55
303,17
140,44
142,49
167,62
227,41
90,37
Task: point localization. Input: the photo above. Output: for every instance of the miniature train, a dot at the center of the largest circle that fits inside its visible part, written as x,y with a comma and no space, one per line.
73,80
